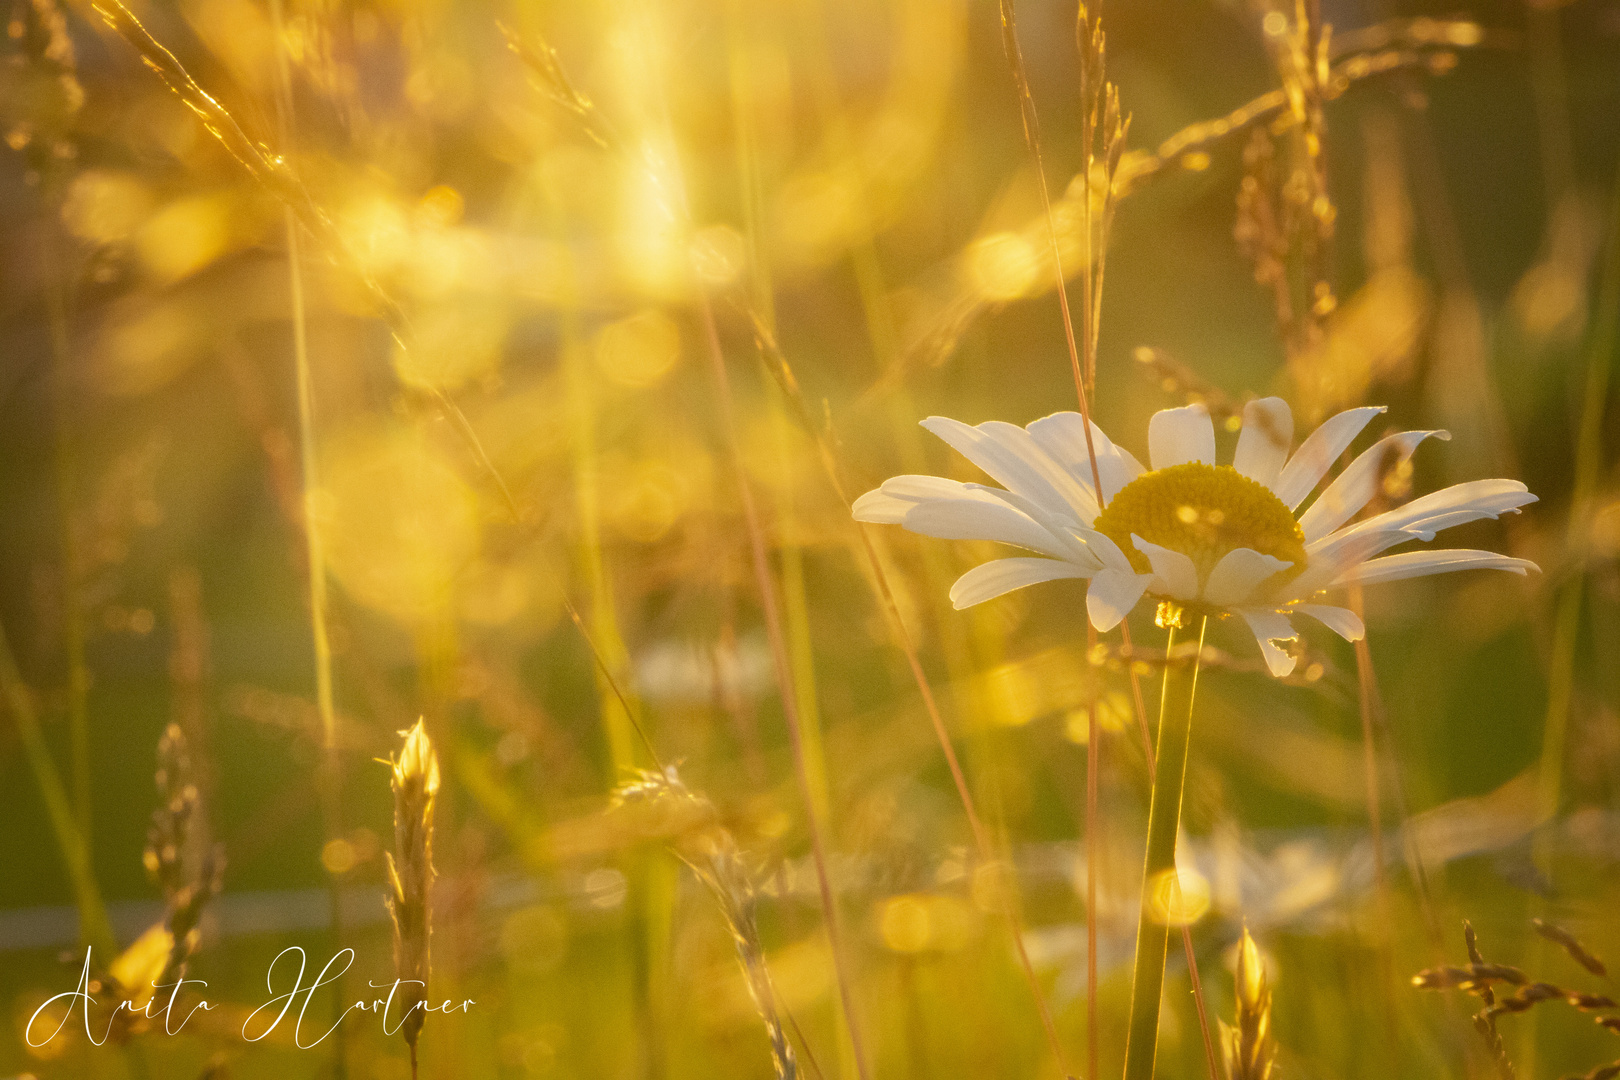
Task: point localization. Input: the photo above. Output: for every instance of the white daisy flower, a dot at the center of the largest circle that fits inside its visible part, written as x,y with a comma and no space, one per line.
1212,538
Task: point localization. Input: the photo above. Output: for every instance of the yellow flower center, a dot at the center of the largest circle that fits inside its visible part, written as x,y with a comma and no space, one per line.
1202,511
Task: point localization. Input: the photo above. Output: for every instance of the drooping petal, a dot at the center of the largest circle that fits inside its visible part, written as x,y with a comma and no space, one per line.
1063,437
1111,595
1234,578
950,510
1009,455
1342,621
1269,627
1411,564
1355,487
1264,442
1318,453
992,579
1177,572
1177,436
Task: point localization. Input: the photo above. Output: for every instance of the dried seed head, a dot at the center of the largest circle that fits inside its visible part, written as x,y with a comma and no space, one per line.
1250,1050
410,875
1571,945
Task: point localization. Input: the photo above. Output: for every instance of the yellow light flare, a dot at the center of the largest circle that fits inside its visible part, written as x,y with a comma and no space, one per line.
1003,266
441,206
240,34
647,500
185,236
639,351
924,922
105,207
452,344
147,346
137,966
400,525
338,856
1178,897
719,254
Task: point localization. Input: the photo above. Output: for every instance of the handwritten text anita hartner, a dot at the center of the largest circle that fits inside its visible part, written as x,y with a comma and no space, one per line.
261,1022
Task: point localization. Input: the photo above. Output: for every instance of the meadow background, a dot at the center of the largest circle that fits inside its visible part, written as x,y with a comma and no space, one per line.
512,225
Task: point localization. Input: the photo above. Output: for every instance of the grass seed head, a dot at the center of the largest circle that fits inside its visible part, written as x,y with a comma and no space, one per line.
410,875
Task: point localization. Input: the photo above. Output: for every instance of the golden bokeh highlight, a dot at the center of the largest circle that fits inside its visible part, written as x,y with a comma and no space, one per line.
400,525
104,206
1178,897
925,922
639,351
1003,265
185,236
453,343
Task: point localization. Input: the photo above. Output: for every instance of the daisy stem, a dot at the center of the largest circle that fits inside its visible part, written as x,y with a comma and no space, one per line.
1164,821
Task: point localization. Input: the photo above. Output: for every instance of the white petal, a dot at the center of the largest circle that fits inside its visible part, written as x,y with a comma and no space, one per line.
1009,455
1334,554
1177,436
1173,569
1111,595
1269,626
1236,575
1063,437
1318,453
988,520
1422,563
1342,621
1104,548
1264,442
951,510
1063,530
1353,488
992,579
1455,505
889,504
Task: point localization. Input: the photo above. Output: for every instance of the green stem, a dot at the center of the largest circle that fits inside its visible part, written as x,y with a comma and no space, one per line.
1164,821
94,929
1605,335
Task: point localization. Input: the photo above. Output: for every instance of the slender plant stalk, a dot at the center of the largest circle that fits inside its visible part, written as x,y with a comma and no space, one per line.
415,783
880,326
782,663
329,779
94,929
73,634
1164,821
1588,471
1097,93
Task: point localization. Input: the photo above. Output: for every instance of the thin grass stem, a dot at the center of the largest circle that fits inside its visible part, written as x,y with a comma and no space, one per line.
1588,471
1164,822
94,928
783,666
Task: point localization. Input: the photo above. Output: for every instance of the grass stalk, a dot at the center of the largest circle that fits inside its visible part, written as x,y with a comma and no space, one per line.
783,666
94,928
1588,472
66,476
1164,821
329,777
415,782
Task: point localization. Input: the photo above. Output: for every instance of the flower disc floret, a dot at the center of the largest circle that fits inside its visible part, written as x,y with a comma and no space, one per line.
1204,512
